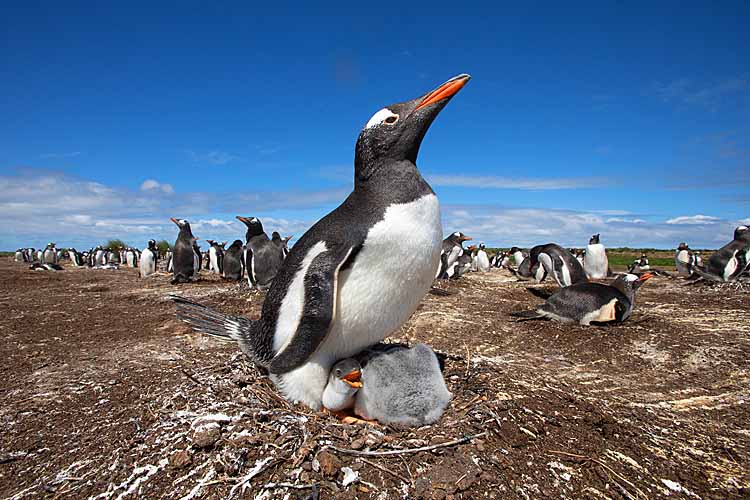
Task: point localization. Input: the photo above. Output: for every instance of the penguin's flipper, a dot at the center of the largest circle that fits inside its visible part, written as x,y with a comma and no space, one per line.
527,315
321,288
542,293
706,275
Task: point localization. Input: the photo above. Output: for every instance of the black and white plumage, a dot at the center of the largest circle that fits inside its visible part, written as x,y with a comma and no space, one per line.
639,265
595,262
526,272
683,260
482,262
452,248
233,266
50,254
282,243
360,272
149,259
263,258
398,386
730,261
558,263
215,257
587,303
183,255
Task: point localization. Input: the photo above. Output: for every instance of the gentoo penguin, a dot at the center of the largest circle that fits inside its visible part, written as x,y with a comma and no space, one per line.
595,262
683,260
215,257
197,257
462,264
580,255
587,303
130,258
360,272
263,258
451,250
170,264
282,243
50,254
558,263
526,272
19,257
149,258
40,255
482,262
233,265
75,257
731,260
639,265
697,259
517,255
391,384
36,266
183,256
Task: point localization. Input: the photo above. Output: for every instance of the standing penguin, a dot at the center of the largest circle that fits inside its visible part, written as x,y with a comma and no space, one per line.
197,257
234,262
558,263
75,257
517,255
585,303
451,250
215,257
263,258
360,272
483,263
183,256
282,243
595,263
50,254
683,260
697,259
149,259
730,261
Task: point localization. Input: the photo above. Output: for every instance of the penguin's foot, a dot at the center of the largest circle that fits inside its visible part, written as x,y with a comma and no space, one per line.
348,417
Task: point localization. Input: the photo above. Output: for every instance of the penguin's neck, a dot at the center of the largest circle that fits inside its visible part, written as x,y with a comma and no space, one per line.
628,291
396,181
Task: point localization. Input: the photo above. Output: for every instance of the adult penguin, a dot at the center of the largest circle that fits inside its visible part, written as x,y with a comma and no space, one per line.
75,257
526,272
50,254
683,260
215,257
586,303
595,263
730,261
558,263
360,272
197,257
517,255
183,255
149,259
482,262
452,249
263,258
233,264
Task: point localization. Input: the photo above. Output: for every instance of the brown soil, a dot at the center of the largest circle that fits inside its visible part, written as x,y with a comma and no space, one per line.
104,394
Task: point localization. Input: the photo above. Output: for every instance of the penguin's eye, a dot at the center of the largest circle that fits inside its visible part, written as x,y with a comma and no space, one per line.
391,119
338,372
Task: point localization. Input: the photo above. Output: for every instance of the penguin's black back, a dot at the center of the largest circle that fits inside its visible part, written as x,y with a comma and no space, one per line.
182,255
580,299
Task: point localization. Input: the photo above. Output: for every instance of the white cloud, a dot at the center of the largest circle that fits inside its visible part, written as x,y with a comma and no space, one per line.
625,221
151,184
694,219
78,219
528,184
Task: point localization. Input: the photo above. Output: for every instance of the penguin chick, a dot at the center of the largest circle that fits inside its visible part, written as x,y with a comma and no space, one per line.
402,387
343,383
587,303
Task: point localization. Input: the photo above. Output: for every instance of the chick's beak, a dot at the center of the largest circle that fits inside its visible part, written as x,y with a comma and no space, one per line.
354,379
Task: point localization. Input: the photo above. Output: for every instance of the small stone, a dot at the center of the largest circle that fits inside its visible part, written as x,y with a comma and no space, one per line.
329,464
307,466
180,460
206,435
357,444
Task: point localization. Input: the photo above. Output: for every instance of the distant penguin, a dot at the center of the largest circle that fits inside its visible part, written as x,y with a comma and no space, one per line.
397,386
585,303
730,261
215,257
697,259
452,249
517,256
282,243
233,265
149,259
358,273
639,265
131,258
263,258
558,263
184,259
75,257
197,257
526,272
462,264
19,257
683,260
580,255
483,263
50,254
36,266
595,262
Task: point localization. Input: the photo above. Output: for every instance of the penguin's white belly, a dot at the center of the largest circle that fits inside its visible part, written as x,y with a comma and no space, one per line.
595,261
376,295
483,263
683,256
214,260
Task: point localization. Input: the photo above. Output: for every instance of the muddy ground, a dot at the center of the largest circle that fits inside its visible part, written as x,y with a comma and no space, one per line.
104,394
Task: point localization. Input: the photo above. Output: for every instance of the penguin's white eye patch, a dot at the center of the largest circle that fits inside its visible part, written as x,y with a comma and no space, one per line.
384,115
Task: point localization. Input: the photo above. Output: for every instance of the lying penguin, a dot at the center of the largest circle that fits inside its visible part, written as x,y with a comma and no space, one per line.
391,384
730,261
588,302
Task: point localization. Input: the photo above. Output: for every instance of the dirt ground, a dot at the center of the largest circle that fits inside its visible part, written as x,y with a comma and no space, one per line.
103,394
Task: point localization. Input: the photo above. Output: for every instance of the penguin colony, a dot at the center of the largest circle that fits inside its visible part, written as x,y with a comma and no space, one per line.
360,272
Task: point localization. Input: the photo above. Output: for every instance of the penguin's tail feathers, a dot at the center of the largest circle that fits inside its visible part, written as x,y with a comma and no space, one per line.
203,319
527,315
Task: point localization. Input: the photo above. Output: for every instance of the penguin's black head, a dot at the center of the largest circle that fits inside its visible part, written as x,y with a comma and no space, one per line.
276,237
482,246
395,133
181,223
459,237
742,233
594,240
514,250
683,246
152,244
236,244
254,226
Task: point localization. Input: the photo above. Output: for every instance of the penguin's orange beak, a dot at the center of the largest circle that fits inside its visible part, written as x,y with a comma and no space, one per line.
646,277
446,90
174,220
466,238
354,379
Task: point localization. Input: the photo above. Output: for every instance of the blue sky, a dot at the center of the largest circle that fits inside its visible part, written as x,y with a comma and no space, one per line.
630,120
